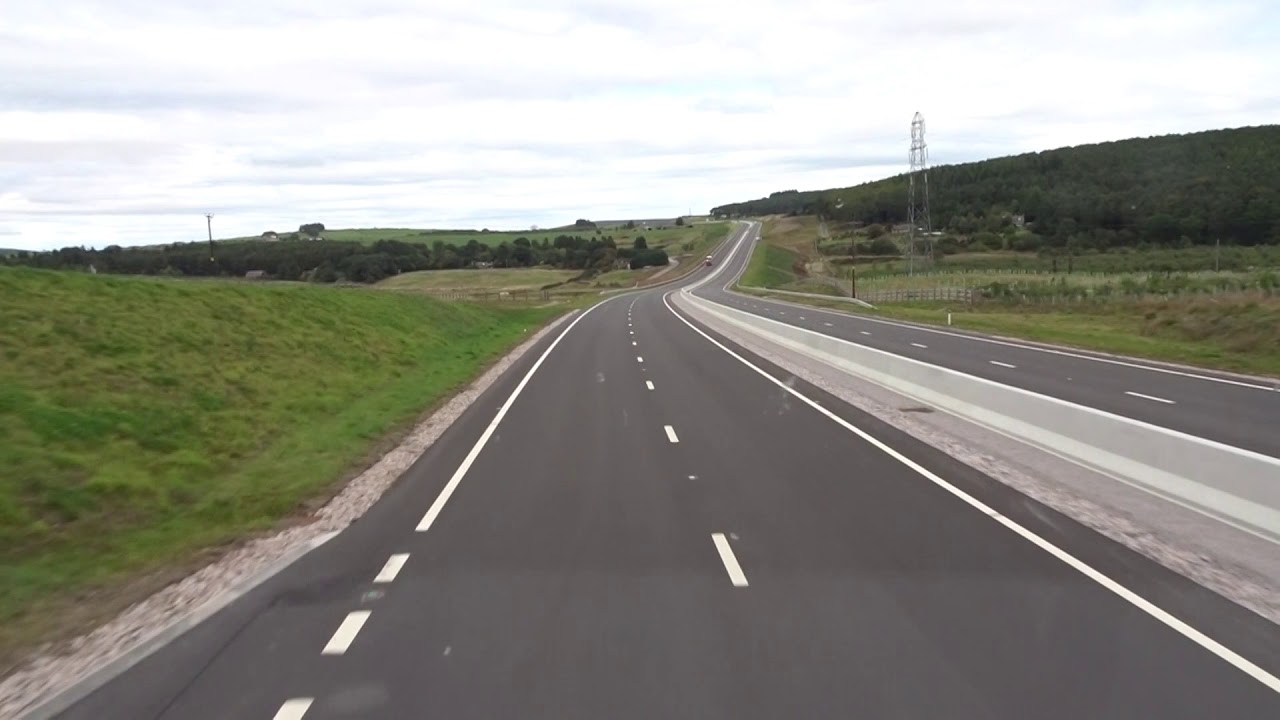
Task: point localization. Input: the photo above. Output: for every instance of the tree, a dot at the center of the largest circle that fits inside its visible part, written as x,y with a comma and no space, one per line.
311,230
680,222
640,243
631,225
882,246
648,258
875,230
1219,184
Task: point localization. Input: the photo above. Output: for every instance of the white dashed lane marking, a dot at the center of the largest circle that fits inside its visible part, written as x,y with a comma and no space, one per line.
392,568
293,709
736,576
1150,397
346,632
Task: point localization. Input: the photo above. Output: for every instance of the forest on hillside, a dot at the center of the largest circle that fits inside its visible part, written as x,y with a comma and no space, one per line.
1173,190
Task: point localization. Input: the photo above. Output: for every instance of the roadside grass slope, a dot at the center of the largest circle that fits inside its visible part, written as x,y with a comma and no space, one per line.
146,420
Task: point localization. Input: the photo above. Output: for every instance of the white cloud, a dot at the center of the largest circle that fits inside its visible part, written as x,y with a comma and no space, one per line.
125,120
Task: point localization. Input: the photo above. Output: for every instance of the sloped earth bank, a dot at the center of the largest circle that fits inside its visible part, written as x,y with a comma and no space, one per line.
59,667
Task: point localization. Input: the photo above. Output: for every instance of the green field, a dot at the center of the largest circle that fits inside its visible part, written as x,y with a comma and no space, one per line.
671,237
494,279
145,420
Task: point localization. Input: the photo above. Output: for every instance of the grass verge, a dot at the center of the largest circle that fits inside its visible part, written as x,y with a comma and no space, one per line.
145,421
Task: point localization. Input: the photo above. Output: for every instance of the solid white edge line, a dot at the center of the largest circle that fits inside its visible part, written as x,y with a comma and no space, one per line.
293,709
1003,364
392,568
730,561
1204,641
447,492
648,384
671,433
1150,397
346,632
926,347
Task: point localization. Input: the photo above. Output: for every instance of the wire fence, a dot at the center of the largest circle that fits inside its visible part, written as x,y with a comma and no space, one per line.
1012,296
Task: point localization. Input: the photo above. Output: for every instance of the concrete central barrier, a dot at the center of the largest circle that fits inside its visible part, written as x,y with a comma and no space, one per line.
1236,485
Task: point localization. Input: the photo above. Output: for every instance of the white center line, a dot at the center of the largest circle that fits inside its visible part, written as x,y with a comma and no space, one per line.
730,562
926,347
671,433
392,568
639,359
997,362
1150,397
648,384
633,343
801,317
828,324
293,709
864,332
346,632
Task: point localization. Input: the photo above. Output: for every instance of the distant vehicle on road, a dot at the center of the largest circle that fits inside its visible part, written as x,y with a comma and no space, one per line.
708,262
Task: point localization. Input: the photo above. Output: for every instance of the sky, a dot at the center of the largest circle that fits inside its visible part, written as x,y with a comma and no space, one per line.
125,121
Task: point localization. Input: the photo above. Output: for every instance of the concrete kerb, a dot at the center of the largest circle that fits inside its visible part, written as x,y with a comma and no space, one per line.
1233,485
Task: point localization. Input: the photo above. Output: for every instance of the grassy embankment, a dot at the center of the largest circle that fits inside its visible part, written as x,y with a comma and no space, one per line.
146,421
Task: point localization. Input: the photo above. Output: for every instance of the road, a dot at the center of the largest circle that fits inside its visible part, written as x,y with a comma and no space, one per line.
641,521
1231,410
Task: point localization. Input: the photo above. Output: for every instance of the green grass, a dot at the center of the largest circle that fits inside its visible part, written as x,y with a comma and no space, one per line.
145,420
478,279
769,266
1230,332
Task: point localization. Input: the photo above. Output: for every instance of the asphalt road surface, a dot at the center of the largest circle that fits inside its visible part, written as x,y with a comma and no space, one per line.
641,521
1237,411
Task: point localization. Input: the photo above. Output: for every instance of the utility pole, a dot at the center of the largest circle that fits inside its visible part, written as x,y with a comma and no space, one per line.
208,217
853,267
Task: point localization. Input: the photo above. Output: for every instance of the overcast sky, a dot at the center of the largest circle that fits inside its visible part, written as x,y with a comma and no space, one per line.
124,121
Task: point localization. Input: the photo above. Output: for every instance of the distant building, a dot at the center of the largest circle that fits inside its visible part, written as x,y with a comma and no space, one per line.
270,235
1019,220
255,275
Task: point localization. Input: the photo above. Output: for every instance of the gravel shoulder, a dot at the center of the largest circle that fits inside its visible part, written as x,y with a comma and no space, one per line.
59,667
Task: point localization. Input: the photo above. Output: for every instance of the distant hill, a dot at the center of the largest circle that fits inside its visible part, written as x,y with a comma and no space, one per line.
9,251
1168,190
